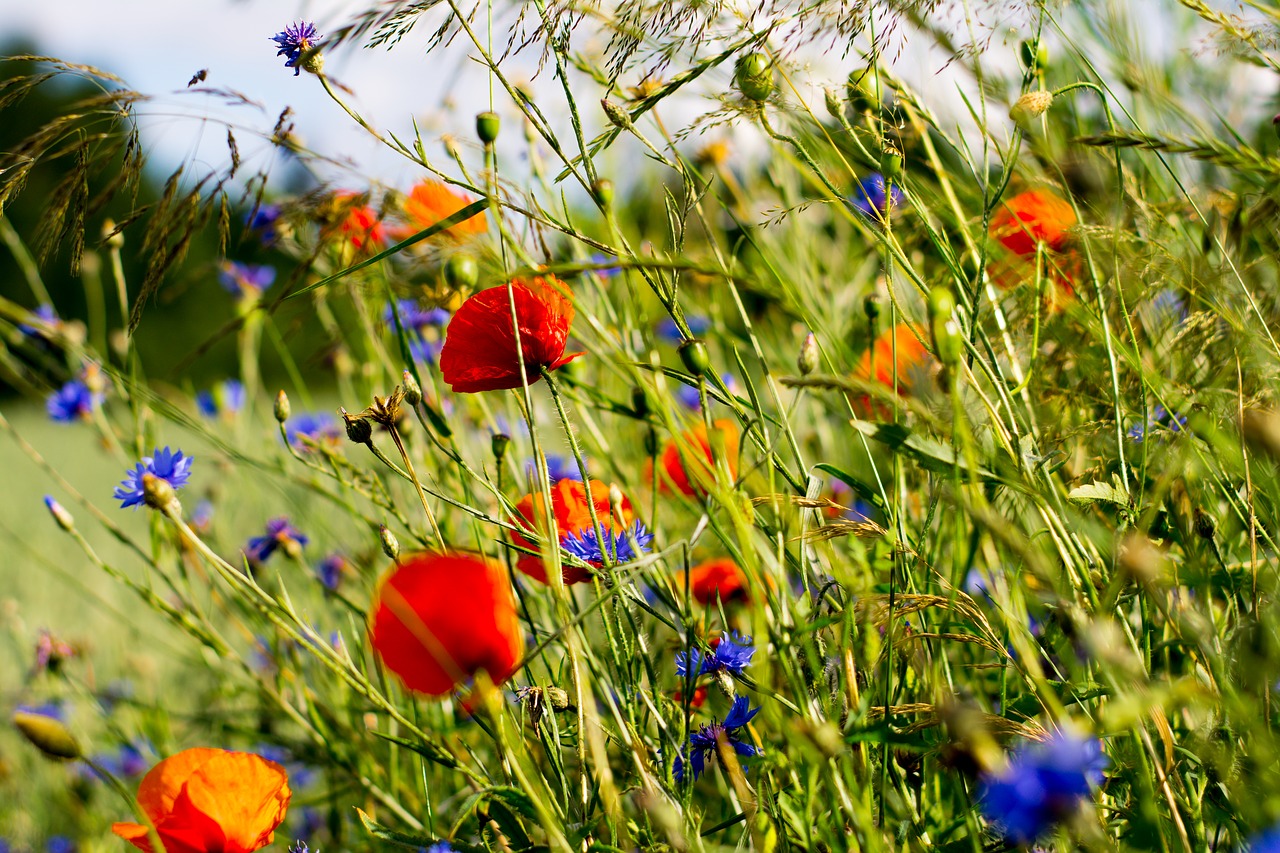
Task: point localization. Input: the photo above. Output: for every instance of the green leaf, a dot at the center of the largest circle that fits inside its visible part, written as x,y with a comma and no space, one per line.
449,221
406,839
928,452
432,753
1100,492
862,489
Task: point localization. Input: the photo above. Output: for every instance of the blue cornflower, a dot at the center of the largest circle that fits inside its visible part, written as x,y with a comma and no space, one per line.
422,350
1265,842
52,710
245,279
1159,417
702,743
227,396
331,570
46,321
128,761
280,534
414,316
294,41
1043,784
442,847
299,847
262,219
317,427
558,468
871,199
1166,310
690,398
169,465
732,655
74,401
585,546
300,775
601,258
60,844
668,331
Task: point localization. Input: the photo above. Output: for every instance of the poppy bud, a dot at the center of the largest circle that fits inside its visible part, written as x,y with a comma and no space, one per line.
946,333
499,444
158,493
833,103
602,191
282,406
891,164
412,390
390,545
1035,55
1031,105
488,124
753,76
863,89
59,513
617,116
871,306
461,272
48,735
808,360
358,429
693,354
639,402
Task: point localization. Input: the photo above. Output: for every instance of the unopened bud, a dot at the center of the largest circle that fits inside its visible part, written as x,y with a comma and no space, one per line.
158,493
412,390
59,513
602,191
1031,105
390,545
617,116
1204,524
863,89
808,359
499,444
946,332
461,272
359,430
282,406
753,76
694,356
639,402
615,498
1035,55
488,124
557,698
833,103
49,735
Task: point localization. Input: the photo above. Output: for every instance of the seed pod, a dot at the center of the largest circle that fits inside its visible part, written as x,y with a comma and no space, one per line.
282,406
488,124
617,116
871,306
694,356
359,431
864,90
390,545
833,103
499,444
890,166
461,271
754,76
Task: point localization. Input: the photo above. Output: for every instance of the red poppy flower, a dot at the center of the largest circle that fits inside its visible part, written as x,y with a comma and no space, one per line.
573,516
438,619
697,700
1031,218
431,201
697,477
901,350
480,348
358,224
202,800
720,578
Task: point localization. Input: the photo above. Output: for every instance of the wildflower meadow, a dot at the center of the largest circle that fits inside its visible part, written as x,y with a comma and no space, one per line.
809,426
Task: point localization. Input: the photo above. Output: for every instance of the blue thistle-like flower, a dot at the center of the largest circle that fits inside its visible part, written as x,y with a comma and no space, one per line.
60,844
74,401
299,847
295,40
1043,784
585,546
46,321
227,396
262,219
280,534
331,570
732,655
1160,417
669,332
872,199
169,465
414,316
702,743
240,279
317,427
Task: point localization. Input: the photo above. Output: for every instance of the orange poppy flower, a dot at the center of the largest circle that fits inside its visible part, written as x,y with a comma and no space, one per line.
479,351
1031,218
898,350
697,448
203,799
438,619
719,578
431,201
573,517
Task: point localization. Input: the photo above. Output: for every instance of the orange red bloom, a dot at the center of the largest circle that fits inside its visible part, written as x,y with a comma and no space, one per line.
1031,218
358,224
572,513
431,201
480,345
438,619
719,578
898,351
204,800
687,460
